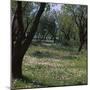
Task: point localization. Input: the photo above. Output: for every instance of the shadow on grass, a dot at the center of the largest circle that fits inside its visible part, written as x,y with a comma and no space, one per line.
71,52
28,80
56,46
44,54
70,57
42,85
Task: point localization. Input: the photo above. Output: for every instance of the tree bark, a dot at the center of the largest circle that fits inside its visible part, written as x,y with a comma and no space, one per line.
82,37
18,48
16,42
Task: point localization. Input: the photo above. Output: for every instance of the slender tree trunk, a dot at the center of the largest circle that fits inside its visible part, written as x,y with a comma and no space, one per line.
80,47
82,38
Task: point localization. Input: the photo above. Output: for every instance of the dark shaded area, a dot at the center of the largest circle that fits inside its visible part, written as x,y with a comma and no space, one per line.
40,54
56,46
70,57
27,80
73,54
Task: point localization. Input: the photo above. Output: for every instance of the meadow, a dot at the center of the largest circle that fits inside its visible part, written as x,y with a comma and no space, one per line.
52,65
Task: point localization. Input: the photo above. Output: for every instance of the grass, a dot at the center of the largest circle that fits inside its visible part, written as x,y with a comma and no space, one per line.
52,66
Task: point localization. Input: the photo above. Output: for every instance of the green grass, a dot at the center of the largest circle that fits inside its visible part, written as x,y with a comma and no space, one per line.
53,66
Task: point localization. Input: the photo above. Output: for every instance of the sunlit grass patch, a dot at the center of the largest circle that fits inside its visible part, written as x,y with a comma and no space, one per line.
47,66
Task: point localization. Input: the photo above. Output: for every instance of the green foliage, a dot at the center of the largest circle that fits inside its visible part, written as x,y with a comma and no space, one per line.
79,14
67,29
47,27
56,24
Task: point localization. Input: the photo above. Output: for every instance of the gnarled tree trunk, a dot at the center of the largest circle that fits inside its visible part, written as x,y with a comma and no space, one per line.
20,42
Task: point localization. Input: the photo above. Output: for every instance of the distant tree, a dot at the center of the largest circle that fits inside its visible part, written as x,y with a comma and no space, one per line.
66,26
21,40
47,27
79,13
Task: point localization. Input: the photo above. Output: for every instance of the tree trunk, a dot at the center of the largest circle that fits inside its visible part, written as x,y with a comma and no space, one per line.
82,37
80,47
17,67
18,48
